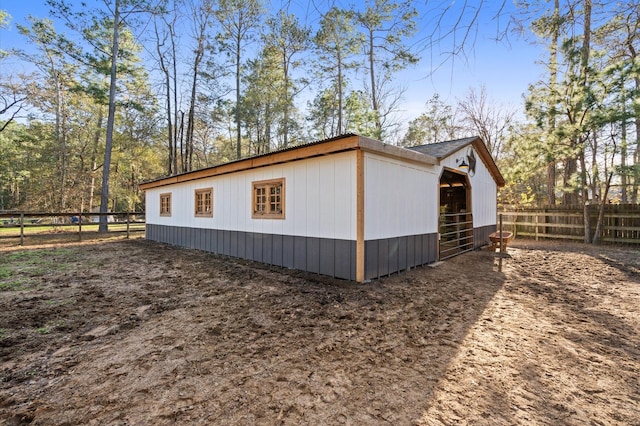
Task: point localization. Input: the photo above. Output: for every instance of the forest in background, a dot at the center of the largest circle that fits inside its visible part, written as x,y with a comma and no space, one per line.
130,90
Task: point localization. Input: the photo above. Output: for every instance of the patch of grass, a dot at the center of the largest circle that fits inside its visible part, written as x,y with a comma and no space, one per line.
50,328
18,269
5,272
3,333
14,285
40,256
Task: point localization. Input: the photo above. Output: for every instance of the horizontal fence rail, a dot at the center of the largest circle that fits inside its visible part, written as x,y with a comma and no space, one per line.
21,225
621,223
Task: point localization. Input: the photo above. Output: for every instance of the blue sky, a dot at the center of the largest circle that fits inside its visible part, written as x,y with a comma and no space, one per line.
504,68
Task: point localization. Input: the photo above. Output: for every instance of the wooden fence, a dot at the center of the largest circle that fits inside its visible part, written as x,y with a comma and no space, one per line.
621,223
21,225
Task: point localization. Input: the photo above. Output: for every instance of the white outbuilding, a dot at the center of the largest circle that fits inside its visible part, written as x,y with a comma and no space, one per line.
349,207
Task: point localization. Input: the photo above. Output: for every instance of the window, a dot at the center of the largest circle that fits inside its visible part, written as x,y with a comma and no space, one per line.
165,204
204,202
268,199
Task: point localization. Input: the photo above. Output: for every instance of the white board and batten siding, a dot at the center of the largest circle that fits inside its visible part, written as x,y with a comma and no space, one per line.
334,223
484,191
320,200
400,198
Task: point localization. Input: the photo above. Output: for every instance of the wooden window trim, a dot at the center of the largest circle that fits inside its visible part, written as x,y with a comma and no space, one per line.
167,212
201,213
263,210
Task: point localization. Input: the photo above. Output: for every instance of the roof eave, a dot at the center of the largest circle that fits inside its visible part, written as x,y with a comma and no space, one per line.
487,158
331,146
393,151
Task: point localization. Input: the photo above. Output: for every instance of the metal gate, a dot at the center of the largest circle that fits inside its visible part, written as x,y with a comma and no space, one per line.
456,234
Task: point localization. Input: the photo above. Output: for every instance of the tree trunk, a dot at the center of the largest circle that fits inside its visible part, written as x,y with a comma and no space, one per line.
585,198
340,107
63,160
238,130
181,138
285,133
60,139
374,94
553,79
636,154
551,183
597,237
167,80
570,168
595,180
199,53
104,197
636,157
175,99
94,160
192,108
624,178
584,74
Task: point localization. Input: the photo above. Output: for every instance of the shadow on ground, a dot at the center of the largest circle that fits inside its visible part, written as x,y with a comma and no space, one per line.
140,332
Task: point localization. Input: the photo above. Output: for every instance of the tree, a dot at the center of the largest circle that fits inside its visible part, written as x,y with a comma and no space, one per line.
584,114
457,24
523,167
165,33
324,115
12,100
543,104
359,117
12,96
482,118
386,25
19,153
620,37
80,21
561,109
436,124
201,17
336,42
52,64
287,39
262,102
238,20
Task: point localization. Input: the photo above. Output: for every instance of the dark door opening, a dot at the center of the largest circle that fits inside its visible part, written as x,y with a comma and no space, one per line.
456,221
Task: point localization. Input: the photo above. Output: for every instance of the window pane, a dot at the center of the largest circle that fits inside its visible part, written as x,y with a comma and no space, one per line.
269,199
204,202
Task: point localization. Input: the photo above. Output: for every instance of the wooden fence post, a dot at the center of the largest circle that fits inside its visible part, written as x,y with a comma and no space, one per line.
537,218
127,225
80,227
501,236
22,229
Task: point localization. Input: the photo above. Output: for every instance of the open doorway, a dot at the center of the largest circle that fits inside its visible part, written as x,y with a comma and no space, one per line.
456,220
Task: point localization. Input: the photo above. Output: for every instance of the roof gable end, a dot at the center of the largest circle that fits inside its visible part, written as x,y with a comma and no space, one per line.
444,149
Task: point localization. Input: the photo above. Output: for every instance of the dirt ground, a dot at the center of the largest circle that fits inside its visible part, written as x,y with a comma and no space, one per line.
136,333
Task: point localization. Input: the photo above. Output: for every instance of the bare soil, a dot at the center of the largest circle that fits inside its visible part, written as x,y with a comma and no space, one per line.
136,332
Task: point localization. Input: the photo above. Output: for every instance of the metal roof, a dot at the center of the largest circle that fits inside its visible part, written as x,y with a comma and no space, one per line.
441,150
333,145
426,154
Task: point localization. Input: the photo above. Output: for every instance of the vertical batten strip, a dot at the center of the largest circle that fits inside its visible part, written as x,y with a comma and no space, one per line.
360,275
